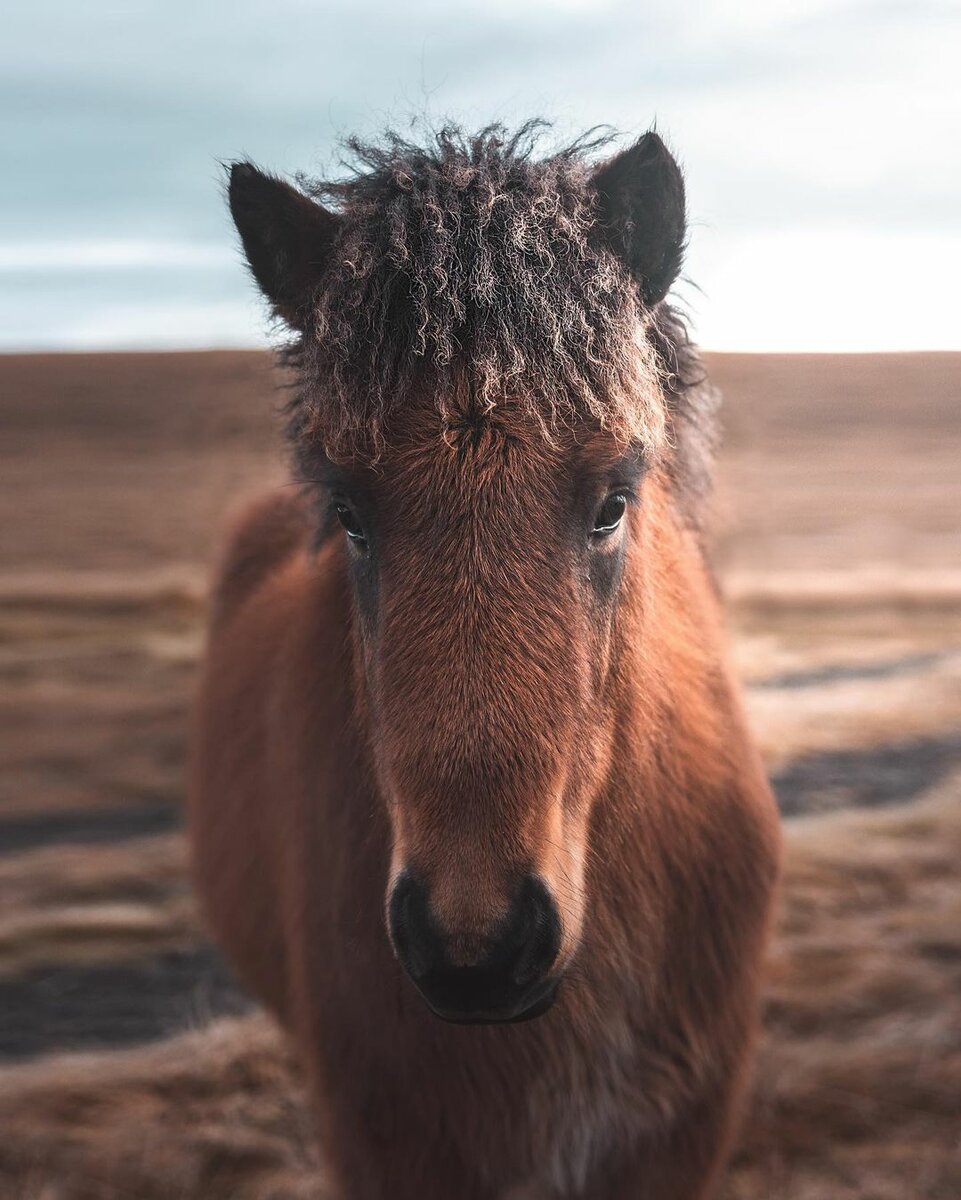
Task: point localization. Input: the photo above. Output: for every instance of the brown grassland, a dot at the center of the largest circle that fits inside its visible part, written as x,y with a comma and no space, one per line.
130,1066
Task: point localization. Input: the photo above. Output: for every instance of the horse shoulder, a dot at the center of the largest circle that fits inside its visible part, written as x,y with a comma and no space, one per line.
274,609
267,532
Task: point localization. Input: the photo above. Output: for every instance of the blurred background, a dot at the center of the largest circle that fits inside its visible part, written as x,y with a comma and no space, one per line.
138,407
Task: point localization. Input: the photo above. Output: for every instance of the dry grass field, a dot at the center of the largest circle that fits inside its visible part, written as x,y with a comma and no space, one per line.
130,1065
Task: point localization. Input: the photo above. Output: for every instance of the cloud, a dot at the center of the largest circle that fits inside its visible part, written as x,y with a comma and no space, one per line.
793,119
107,255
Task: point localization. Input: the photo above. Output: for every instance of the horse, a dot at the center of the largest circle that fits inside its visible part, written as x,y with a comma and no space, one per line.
473,805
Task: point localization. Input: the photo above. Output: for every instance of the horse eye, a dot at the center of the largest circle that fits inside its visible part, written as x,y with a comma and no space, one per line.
348,518
610,514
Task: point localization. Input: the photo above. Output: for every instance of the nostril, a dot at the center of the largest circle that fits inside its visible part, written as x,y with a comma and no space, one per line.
416,940
538,934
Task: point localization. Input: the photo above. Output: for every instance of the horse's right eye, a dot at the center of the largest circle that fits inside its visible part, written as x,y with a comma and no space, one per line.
351,523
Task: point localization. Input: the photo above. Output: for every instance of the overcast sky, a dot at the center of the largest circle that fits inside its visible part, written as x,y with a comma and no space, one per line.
821,141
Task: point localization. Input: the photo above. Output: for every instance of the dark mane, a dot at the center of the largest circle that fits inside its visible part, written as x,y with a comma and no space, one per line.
693,411
473,267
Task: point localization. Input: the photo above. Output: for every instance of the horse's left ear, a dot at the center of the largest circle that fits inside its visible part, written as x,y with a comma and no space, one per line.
640,200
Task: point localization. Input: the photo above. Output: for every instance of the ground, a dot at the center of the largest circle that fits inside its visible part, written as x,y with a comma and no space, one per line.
130,1064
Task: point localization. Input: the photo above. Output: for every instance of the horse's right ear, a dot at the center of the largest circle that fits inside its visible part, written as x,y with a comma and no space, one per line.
287,238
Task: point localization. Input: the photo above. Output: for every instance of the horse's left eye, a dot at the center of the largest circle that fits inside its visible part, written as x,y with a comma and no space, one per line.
610,514
351,523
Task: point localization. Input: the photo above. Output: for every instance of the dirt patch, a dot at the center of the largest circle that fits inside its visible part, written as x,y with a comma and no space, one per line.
71,1008
889,774
86,827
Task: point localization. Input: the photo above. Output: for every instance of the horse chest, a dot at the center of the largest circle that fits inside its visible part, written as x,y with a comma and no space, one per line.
594,1108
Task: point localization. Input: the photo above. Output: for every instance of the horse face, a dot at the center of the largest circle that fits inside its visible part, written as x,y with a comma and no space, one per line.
486,568
486,558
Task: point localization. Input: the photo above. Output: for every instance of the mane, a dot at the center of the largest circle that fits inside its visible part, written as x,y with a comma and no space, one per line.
474,268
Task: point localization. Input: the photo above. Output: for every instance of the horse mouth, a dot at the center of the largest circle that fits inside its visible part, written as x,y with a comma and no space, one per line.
532,1007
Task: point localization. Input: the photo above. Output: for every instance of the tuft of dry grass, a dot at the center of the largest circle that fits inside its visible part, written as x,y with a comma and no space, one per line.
858,1088
93,904
211,1114
858,1080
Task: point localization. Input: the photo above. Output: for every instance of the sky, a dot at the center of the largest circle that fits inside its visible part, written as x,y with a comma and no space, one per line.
821,141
